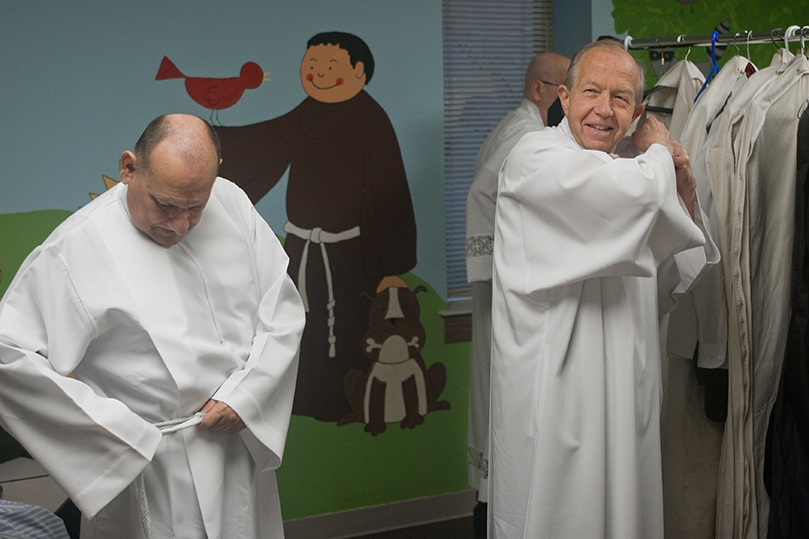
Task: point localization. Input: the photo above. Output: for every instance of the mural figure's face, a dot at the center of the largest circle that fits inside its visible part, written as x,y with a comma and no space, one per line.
166,199
600,107
327,74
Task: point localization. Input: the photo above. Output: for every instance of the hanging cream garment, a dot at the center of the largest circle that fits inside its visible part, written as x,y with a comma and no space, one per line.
692,442
763,202
480,207
675,90
742,509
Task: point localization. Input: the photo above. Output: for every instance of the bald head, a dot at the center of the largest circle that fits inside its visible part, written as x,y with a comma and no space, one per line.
542,77
189,137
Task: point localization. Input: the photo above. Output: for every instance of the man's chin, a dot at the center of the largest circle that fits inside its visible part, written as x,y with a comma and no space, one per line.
607,146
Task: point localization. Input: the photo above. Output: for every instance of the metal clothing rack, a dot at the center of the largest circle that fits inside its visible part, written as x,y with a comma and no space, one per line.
728,38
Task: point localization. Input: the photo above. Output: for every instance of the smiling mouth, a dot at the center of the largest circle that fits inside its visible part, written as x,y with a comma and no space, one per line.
600,128
324,87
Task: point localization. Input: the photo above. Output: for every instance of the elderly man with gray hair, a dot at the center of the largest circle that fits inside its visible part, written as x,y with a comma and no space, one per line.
589,248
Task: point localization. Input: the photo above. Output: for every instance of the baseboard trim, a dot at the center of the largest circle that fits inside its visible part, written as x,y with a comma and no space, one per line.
380,518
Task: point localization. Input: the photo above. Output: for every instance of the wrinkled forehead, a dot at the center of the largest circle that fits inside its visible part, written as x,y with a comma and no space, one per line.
610,68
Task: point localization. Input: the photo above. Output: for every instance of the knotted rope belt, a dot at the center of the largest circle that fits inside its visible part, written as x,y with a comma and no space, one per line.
319,236
165,427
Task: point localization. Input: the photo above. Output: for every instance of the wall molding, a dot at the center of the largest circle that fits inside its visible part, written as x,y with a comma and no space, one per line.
380,518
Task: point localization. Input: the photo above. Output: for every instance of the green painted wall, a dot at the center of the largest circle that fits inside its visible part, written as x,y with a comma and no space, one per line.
20,233
643,19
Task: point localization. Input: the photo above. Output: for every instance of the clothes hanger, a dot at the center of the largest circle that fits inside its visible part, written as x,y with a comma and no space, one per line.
714,66
804,32
749,69
627,42
772,37
749,33
792,31
680,39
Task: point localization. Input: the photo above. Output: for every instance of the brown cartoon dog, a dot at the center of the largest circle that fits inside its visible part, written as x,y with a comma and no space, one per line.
398,386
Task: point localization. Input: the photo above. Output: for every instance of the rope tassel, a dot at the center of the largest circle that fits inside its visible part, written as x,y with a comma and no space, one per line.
165,427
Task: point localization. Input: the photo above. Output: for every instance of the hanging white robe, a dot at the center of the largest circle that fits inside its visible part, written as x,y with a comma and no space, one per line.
480,208
585,244
150,334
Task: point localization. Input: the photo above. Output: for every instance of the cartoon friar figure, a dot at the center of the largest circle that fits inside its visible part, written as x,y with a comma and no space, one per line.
397,387
351,223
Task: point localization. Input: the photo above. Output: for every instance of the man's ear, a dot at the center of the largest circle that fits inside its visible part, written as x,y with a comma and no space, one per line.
638,111
564,96
127,166
536,91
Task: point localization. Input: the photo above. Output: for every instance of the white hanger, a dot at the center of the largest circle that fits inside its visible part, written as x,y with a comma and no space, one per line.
749,33
792,31
680,39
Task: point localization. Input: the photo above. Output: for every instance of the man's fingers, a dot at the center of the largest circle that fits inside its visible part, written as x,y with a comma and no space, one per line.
220,417
652,131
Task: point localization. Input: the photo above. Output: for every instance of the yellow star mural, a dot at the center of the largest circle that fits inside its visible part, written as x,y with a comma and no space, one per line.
108,182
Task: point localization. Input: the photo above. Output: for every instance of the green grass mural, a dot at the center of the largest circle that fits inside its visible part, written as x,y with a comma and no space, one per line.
644,19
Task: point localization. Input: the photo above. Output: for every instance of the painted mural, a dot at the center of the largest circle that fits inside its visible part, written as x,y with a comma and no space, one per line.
351,228
391,366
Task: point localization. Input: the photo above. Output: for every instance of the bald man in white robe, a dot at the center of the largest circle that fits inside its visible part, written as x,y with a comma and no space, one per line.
165,296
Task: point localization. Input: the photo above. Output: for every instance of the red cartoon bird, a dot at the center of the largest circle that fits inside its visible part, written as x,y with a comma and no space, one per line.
215,94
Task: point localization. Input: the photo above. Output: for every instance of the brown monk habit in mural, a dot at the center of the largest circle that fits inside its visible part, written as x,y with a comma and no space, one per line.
347,198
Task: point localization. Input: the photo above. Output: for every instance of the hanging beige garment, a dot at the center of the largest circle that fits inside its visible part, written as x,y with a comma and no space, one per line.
744,210
675,90
691,441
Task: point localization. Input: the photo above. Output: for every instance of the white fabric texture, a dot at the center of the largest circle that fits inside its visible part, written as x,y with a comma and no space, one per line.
584,244
150,334
480,209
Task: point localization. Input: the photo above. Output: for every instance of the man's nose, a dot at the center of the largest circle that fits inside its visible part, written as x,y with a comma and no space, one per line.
604,105
180,223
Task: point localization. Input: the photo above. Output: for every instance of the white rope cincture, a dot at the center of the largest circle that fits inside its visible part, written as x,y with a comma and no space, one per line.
319,236
143,505
173,425
165,427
